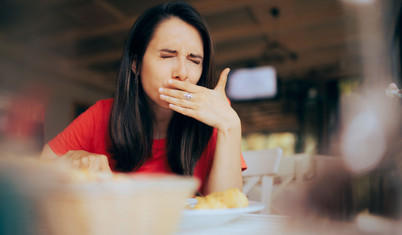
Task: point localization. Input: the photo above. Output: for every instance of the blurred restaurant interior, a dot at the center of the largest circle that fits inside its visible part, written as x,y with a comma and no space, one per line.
329,64
65,55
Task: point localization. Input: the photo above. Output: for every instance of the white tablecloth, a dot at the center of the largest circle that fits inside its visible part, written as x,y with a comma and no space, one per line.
245,224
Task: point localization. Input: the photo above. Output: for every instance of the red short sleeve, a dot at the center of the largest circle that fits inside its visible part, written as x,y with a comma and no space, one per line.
88,132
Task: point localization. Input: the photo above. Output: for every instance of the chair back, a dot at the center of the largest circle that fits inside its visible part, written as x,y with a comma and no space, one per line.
262,165
262,162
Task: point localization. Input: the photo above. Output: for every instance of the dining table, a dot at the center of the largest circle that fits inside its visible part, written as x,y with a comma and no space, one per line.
248,223
272,224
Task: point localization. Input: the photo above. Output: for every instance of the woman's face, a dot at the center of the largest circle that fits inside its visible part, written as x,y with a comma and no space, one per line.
175,51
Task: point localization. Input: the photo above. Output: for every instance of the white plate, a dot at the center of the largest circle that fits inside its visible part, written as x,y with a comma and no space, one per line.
212,217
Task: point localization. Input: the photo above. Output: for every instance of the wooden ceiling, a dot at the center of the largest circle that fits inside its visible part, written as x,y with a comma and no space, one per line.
83,39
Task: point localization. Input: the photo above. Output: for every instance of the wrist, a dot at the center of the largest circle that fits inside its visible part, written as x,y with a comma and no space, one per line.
230,127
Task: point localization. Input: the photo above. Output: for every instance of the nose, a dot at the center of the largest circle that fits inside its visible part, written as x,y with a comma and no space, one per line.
180,69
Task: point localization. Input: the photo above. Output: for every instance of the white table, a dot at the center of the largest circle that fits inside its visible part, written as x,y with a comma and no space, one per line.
245,224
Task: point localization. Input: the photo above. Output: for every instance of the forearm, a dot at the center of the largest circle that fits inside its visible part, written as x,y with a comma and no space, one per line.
79,159
47,153
226,168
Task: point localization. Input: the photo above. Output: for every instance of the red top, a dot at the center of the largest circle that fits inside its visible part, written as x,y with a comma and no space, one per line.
90,132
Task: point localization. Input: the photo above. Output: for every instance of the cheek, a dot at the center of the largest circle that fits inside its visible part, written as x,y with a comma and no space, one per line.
146,73
146,80
152,80
195,77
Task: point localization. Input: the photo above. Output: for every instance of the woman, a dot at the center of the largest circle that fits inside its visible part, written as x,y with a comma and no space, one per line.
169,113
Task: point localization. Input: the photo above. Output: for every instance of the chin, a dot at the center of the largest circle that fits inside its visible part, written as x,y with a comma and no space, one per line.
164,104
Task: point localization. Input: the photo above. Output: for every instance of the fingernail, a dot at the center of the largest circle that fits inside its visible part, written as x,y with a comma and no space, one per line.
161,89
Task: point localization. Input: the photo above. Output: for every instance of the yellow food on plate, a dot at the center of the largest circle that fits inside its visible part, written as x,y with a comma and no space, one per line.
209,203
230,198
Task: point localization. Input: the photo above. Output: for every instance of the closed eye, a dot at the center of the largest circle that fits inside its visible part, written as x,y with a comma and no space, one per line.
166,53
196,61
166,56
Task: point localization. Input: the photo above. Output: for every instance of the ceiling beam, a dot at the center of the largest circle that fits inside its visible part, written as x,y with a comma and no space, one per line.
99,58
125,23
336,61
286,27
70,36
290,22
303,47
213,6
111,9
54,66
295,42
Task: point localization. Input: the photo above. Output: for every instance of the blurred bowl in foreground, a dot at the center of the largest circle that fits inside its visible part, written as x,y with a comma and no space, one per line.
139,204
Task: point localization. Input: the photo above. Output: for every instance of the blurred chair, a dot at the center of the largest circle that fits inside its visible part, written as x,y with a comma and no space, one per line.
262,166
303,167
324,163
293,169
294,172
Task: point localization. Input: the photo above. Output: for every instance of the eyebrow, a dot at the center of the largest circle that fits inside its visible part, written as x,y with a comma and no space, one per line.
175,52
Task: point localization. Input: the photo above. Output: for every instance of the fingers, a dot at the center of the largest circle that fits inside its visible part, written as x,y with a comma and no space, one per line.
182,102
222,80
187,86
179,94
104,164
90,161
182,85
177,97
94,165
185,111
201,103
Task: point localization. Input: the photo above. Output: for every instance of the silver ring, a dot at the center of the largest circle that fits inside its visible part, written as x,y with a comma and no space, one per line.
188,96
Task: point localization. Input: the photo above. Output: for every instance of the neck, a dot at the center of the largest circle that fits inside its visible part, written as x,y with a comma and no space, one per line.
162,120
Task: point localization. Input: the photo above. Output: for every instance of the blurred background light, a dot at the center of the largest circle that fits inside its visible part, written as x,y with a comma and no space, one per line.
360,1
363,143
252,83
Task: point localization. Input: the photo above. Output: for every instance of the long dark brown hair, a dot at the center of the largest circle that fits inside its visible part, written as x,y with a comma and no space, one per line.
132,119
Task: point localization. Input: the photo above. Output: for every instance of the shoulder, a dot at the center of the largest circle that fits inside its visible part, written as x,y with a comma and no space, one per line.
103,105
100,110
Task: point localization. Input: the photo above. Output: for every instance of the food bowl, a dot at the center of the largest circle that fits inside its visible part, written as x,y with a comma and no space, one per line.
139,204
